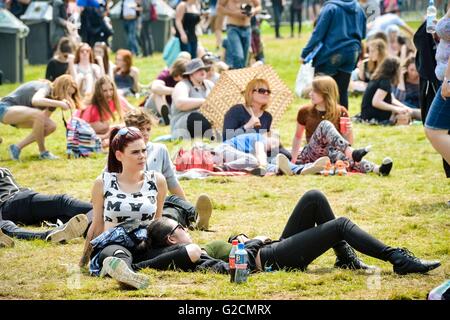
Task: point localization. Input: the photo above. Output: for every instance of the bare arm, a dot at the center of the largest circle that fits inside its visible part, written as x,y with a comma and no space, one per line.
159,87
162,193
134,73
97,225
296,142
181,99
39,100
179,14
178,191
379,103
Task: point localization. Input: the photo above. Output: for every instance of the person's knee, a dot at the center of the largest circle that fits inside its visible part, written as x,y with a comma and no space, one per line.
314,195
194,252
39,117
50,126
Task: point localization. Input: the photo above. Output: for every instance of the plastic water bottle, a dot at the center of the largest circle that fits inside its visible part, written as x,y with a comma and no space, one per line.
232,260
431,17
241,264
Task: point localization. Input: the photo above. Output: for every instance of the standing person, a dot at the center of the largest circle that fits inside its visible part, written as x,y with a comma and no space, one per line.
238,14
437,124
129,16
312,229
320,121
340,28
296,12
31,105
251,116
125,191
146,34
187,17
187,97
278,7
59,26
27,207
59,64
426,64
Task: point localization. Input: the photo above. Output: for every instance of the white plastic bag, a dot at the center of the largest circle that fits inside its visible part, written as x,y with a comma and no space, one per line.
304,80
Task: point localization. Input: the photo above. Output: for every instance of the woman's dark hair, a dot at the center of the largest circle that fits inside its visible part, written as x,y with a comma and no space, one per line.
157,232
119,141
388,69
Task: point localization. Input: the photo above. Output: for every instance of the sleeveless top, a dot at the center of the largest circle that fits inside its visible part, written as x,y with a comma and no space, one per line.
443,49
190,21
120,206
123,81
178,118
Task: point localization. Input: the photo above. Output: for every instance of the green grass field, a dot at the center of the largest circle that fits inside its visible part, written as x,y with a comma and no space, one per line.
406,209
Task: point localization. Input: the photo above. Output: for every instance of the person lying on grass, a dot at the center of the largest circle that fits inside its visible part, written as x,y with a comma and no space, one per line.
259,153
311,230
27,207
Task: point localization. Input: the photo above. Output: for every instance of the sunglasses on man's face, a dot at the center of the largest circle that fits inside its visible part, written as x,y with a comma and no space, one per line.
175,229
263,91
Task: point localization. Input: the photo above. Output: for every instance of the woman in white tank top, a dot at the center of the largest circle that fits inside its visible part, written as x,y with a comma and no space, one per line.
125,190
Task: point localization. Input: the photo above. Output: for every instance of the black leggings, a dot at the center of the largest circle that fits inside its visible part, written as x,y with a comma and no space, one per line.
197,120
302,241
29,207
342,79
296,13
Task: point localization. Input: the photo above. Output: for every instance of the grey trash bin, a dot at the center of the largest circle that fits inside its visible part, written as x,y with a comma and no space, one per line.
161,28
12,39
37,18
119,38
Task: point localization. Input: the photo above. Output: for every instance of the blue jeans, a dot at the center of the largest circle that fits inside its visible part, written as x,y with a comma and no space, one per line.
238,43
190,47
277,12
272,167
130,27
438,117
3,109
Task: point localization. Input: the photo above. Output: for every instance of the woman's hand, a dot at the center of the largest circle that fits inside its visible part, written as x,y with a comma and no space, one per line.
66,105
445,89
253,123
184,38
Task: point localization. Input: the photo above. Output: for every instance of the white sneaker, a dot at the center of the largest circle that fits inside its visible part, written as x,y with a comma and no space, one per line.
117,269
315,167
47,155
283,164
74,228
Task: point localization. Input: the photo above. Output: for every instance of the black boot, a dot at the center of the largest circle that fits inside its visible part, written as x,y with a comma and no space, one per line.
405,262
346,258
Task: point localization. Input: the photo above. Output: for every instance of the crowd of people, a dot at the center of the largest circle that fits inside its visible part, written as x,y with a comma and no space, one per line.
132,223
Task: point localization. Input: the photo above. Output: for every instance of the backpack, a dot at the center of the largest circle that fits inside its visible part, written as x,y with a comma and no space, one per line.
195,158
82,140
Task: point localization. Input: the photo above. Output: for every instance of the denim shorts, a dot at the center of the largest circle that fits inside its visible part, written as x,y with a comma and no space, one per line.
438,117
3,108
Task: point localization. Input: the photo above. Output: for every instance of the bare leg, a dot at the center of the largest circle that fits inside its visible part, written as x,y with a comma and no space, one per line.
26,117
440,140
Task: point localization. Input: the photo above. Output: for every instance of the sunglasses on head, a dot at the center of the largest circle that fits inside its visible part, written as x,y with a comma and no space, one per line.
125,130
262,91
175,229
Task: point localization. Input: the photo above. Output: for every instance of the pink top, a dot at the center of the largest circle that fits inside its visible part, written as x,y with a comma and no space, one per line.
91,114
